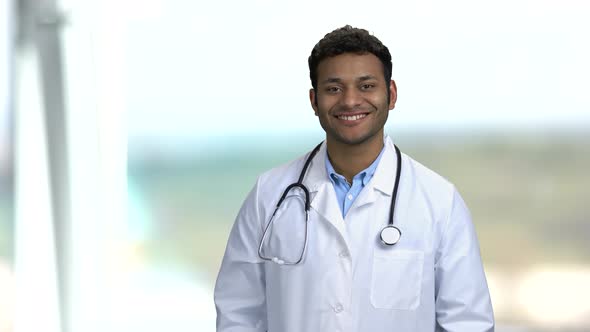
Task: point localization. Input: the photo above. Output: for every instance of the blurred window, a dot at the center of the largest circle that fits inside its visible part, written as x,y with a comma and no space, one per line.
210,94
6,170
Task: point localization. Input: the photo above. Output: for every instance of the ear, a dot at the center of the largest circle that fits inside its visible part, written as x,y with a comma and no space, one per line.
312,100
392,94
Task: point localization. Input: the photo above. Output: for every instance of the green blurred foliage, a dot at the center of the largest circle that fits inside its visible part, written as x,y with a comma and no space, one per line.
527,193
6,226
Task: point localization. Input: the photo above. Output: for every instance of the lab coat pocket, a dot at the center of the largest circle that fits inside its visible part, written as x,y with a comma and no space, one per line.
396,282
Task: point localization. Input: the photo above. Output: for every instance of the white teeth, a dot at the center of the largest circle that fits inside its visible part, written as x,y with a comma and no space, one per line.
351,117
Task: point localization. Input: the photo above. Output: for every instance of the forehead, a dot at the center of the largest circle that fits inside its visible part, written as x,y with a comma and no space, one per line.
350,66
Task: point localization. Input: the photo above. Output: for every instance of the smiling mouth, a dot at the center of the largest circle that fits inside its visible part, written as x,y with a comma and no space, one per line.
351,117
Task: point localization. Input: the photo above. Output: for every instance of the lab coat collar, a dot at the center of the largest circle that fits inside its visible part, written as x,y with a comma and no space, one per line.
384,177
317,177
323,196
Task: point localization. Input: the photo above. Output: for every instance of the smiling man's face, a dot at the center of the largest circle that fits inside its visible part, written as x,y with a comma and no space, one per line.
351,100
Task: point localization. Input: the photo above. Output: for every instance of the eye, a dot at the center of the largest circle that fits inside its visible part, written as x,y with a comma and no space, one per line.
333,89
367,86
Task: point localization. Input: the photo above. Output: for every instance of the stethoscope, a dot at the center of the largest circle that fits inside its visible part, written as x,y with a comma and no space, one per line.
389,235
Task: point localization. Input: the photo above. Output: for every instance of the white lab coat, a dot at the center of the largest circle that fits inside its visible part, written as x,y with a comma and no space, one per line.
431,280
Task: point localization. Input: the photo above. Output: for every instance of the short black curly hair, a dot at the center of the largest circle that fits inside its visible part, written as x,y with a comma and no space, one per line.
348,40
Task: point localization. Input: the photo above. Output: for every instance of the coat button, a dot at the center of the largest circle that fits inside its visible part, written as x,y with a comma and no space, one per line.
343,254
338,308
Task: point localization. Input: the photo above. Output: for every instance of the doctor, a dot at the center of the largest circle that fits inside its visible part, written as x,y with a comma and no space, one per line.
329,268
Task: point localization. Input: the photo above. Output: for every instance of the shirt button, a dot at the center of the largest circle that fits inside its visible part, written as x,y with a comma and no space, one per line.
343,254
350,197
338,308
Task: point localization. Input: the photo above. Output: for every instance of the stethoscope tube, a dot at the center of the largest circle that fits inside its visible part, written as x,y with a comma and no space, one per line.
298,184
398,172
389,235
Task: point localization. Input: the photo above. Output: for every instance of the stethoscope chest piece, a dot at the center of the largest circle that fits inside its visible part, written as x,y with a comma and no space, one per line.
390,235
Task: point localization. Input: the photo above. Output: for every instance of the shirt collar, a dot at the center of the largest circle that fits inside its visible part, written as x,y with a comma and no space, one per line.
365,174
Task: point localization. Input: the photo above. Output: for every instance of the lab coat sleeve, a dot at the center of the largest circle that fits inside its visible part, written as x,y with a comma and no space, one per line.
462,298
240,287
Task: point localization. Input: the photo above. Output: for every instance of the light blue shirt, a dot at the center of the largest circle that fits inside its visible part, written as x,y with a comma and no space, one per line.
346,194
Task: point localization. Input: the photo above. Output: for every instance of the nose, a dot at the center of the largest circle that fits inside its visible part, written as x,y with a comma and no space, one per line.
351,98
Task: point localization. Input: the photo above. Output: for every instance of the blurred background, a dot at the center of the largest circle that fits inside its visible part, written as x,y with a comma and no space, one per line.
131,131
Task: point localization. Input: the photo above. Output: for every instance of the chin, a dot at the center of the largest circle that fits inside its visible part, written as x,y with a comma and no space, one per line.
353,140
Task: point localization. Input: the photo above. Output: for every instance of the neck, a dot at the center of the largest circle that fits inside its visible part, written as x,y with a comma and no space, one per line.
349,160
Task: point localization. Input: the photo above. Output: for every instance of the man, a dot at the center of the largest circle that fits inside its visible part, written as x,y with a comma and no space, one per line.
335,271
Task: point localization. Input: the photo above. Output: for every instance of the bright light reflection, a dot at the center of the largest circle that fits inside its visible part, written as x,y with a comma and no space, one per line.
6,300
557,297
498,285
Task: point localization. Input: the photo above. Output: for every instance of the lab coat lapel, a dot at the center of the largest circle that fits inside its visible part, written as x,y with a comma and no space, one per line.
323,197
383,179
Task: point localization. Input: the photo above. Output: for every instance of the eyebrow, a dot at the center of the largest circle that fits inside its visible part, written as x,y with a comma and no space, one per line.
331,80
338,80
366,78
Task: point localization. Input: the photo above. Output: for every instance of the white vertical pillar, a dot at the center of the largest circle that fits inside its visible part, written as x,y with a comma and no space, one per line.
6,102
36,304
47,27
94,76
87,269
71,166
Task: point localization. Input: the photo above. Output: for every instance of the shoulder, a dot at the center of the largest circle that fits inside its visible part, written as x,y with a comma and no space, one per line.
426,177
281,172
438,192
272,182
266,192
438,196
